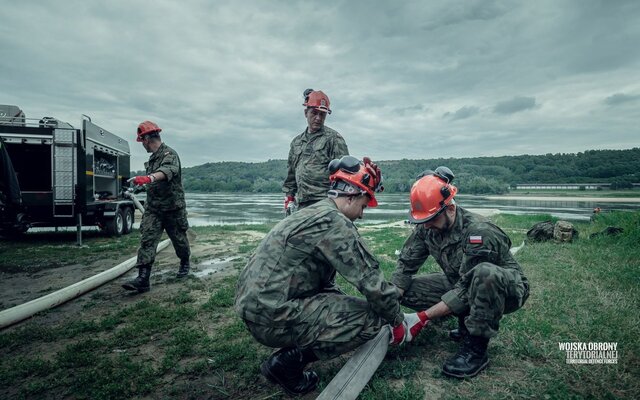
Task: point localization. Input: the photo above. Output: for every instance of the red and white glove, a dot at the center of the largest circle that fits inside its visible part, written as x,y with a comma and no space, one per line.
141,180
415,322
398,333
287,200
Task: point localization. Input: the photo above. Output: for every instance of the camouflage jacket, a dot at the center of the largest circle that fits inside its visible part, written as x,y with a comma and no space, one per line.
471,240
299,259
167,194
309,156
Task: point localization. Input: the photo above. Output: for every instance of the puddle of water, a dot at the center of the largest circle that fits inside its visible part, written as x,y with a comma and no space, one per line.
205,268
212,266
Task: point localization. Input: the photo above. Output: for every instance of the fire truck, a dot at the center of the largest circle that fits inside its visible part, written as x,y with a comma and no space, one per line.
53,175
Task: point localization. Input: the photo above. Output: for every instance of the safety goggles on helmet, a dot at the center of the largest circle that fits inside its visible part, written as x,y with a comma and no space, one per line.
431,194
347,163
350,177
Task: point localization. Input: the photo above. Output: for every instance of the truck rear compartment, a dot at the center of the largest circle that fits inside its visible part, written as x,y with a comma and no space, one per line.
32,164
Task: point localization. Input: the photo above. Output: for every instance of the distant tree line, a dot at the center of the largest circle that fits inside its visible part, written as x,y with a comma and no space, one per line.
477,175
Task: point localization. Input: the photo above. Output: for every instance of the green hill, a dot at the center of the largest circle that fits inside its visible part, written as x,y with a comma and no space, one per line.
473,175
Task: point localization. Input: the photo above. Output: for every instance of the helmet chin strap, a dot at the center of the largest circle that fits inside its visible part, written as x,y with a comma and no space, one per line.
344,189
334,194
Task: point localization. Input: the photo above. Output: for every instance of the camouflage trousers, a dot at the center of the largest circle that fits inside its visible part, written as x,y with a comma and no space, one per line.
175,223
330,324
492,291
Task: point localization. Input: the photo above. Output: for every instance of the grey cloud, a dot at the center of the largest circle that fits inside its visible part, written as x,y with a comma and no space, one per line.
514,105
620,98
452,14
600,36
224,79
462,113
418,108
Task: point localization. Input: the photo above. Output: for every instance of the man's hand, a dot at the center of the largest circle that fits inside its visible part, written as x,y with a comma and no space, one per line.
374,172
398,333
415,322
287,200
141,180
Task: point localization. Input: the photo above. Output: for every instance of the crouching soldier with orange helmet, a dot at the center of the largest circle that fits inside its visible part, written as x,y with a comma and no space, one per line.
480,282
287,295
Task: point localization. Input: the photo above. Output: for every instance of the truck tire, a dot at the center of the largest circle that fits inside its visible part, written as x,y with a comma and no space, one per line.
129,219
115,226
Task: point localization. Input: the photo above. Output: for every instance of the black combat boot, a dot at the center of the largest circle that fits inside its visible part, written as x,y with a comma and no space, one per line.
459,333
286,366
141,283
184,269
470,359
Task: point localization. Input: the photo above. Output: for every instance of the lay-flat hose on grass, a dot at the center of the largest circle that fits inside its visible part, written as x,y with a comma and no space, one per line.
514,250
18,313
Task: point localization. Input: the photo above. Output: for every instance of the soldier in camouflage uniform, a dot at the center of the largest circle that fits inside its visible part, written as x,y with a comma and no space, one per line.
481,279
165,208
307,178
287,295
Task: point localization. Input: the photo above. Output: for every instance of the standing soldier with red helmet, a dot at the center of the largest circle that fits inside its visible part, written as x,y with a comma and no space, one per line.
307,178
165,208
287,295
480,282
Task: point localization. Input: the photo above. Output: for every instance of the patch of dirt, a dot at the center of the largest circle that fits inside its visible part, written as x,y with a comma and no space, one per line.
395,224
252,235
206,249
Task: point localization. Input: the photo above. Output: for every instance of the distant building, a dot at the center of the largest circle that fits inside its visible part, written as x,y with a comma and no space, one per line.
567,186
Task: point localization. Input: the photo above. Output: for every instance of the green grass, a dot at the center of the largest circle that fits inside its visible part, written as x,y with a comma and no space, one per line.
35,251
188,343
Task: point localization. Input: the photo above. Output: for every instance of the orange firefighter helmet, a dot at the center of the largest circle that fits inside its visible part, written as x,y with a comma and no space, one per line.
431,194
146,128
351,177
317,99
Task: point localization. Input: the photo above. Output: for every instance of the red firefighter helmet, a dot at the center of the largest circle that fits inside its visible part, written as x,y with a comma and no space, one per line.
146,128
348,174
317,99
431,194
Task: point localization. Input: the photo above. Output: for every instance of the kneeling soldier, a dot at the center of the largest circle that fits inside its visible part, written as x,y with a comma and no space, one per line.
481,279
287,296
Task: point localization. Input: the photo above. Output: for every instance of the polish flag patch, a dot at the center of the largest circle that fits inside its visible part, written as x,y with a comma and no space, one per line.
475,239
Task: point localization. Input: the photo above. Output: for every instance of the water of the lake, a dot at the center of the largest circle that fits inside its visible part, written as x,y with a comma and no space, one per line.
251,208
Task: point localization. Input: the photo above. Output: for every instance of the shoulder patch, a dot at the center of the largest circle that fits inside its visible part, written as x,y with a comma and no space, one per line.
475,239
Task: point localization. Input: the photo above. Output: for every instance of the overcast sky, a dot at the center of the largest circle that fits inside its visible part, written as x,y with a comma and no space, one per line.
406,79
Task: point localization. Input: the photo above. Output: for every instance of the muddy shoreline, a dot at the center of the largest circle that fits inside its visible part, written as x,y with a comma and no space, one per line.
211,258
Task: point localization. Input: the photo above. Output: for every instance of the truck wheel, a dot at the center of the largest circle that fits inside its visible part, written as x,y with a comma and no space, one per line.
115,225
129,219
